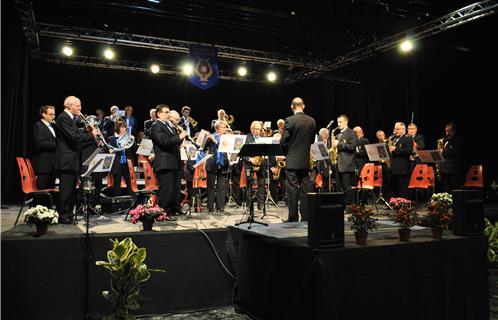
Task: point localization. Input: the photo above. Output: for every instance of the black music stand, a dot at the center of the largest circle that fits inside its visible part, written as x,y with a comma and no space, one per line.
255,150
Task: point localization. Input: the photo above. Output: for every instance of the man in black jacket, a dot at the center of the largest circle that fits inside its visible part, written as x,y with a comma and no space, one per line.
451,168
297,137
360,156
44,137
67,161
186,122
148,123
167,163
346,147
401,150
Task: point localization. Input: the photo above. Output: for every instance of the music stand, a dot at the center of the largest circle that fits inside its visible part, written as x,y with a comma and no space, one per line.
254,150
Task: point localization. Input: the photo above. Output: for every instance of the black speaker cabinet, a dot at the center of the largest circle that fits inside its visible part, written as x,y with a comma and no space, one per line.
468,212
116,204
326,220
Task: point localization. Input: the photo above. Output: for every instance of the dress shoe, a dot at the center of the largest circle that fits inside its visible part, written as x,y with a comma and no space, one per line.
170,218
65,220
290,220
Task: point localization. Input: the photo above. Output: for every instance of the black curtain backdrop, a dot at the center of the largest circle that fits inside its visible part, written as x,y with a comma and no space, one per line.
440,82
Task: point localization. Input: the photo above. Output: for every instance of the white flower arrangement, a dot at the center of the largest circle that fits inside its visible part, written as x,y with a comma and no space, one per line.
41,214
442,200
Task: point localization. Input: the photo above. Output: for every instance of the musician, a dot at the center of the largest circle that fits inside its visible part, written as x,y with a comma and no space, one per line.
324,167
167,162
110,120
221,116
120,165
186,121
298,135
401,150
148,123
280,125
129,119
418,142
44,159
381,136
100,116
360,156
453,153
386,165
217,169
253,137
67,157
346,147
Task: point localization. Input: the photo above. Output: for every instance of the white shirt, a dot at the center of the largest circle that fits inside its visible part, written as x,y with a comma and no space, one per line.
50,127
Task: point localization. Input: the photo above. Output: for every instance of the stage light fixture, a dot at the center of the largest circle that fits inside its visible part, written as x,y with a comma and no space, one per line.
187,69
406,46
108,54
271,76
155,68
67,51
242,71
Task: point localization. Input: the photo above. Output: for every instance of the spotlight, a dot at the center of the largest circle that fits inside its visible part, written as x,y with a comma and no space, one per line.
406,46
187,69
67,51
242,71
154,68
271,76
108,54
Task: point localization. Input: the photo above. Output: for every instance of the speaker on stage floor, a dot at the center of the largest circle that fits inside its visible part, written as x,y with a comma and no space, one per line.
468,212
326,219
117,204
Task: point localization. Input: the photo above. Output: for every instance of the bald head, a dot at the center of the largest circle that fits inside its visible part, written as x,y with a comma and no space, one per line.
359,131
174,116
297,104
73,105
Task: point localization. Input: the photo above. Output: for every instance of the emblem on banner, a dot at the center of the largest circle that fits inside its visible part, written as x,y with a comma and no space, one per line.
205,62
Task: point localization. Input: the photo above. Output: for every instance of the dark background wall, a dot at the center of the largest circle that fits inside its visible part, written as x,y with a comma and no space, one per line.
449,78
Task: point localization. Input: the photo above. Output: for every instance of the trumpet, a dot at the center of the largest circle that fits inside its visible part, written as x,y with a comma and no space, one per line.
192,122
189,138
229,118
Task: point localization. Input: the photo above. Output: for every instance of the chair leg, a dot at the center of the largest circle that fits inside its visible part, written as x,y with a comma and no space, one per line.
22,206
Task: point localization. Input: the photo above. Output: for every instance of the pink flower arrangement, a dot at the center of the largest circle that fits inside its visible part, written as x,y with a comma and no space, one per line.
400,203
147,212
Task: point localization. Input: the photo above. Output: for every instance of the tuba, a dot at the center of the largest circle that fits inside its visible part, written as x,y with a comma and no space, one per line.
124,142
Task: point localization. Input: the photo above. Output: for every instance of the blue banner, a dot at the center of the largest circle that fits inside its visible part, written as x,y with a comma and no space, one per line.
205,62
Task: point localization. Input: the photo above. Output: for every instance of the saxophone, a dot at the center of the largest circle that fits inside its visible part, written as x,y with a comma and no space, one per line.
257,163
440,146
390,143
333,150
280,165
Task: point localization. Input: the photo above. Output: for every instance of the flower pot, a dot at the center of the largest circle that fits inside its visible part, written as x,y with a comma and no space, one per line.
361,238
41,228
404,234
147,224
437,232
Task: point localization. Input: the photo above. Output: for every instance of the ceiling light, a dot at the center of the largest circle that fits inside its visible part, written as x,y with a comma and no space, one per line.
242,71
67,51
406,46
187,69
271,76
154,68
108,54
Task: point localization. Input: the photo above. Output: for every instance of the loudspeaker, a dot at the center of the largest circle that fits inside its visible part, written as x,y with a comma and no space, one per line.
326,219
468,212
116,204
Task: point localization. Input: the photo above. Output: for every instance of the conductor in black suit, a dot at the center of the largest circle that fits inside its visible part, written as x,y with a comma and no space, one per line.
67,161
297,137
401,150
44,160
346,147
167,163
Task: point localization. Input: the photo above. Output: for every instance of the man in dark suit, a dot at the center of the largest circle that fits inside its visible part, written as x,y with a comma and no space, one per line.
401,149
259,169
148,123
345,143
360,156
186,122
452,167
167,163
297,137
44,160
110,121
67,162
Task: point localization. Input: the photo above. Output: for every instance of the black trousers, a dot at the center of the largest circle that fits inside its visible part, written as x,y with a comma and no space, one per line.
46,180
190,191
451,181
67,193
216,185
297,186
399,184
235,177
125,173
344,180
168,190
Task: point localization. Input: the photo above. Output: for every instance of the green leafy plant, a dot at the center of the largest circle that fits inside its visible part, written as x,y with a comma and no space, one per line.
125,264
491,231
362,218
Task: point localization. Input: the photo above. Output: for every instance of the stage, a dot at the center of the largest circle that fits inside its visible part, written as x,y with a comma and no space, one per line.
50,268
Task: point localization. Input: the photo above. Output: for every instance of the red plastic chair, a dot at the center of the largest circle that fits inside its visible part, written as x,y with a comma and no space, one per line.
474,177
420,177
367,177
110,181
149,176
243,177
28,184
134,188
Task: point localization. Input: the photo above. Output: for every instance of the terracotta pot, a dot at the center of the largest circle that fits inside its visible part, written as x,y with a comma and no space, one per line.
404,234
437,232
147,224
41,228
361,238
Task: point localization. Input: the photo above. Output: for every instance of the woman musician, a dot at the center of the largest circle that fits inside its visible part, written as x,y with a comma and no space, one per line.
120,165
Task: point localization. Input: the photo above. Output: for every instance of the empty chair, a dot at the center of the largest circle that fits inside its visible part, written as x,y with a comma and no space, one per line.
474,177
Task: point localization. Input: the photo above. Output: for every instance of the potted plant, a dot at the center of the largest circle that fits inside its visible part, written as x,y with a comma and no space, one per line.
41,217
362,220
126,266
439,215
404,215
147,214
